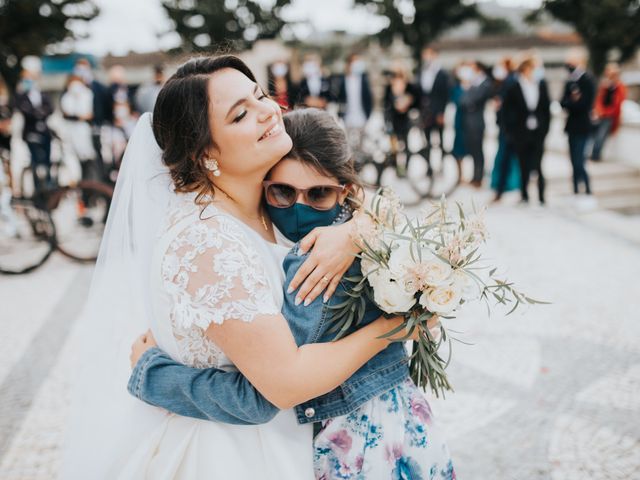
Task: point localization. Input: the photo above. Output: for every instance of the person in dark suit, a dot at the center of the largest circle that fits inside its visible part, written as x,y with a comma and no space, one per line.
435,91
355,100
399,97
314,89
527,116
6,113
479,89
280,85
102,108
577,100
36,107
506,171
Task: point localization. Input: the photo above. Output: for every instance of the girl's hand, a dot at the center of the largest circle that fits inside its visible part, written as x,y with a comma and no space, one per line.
333,253
143,343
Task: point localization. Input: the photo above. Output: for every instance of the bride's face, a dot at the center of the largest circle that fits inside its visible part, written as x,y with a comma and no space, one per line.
246,125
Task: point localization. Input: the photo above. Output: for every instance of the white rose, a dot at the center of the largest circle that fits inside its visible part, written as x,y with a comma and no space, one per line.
441,300
390,296
468,286
436,272
367,265
400,258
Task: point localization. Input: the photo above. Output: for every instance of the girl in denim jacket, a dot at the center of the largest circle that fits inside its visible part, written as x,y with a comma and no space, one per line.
376,425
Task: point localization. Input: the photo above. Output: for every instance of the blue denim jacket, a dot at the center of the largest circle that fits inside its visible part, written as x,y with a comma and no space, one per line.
227,396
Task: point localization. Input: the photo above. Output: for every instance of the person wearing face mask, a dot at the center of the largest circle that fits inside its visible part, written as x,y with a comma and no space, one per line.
399,97
280,86
36,108
527,117
479,89
6,113
101,109
122,113
146,94
505,175
355,99
76,104
607,109
435,91
459,150
314,89
577,100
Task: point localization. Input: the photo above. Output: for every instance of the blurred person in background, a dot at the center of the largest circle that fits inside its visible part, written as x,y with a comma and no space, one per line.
315,89
101,108
36,108
608,108
505,175
76,104
527,117
6,113
472,102
145,97
435,91
122,114
280,85
577,100
460,85
355,99
399,97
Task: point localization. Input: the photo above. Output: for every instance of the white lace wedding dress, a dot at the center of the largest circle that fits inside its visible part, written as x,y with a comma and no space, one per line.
209,267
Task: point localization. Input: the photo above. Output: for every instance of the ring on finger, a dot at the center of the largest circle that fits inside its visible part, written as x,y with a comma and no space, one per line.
325,279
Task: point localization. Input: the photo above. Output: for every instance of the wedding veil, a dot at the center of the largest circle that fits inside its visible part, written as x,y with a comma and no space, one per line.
105,422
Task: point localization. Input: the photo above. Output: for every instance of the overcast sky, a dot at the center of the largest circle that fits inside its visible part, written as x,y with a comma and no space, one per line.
134,25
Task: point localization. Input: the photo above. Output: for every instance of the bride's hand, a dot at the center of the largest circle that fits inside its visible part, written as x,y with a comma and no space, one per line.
143,343
333,253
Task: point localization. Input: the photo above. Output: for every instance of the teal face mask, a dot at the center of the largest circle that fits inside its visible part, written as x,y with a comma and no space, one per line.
298,220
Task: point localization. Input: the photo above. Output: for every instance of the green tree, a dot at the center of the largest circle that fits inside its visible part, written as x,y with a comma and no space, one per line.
235,24
27,27
420,22
604,25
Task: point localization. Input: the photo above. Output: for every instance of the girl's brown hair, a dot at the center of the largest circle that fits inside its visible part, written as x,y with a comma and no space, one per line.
319,141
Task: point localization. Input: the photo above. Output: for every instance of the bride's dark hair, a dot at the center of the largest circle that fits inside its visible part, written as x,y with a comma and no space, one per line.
181,121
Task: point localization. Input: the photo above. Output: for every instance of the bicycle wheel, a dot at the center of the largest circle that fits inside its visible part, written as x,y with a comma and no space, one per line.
26,237
80,215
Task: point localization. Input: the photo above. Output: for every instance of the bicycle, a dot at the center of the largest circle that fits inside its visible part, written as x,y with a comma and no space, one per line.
78,209
414,172
27,231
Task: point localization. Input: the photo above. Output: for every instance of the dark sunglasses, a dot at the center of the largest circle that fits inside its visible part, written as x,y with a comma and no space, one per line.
320,197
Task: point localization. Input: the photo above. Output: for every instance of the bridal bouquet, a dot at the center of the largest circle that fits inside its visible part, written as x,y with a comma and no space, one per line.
418,268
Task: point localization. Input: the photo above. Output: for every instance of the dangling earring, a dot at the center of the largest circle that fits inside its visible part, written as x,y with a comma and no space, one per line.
211,164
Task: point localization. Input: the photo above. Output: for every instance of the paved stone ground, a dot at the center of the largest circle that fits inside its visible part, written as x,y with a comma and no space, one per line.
549,393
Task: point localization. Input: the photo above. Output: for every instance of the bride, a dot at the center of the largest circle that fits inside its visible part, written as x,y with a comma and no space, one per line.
190,252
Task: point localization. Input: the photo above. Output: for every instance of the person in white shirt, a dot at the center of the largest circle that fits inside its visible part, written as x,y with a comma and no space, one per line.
315,89
76,104
526,119
355,99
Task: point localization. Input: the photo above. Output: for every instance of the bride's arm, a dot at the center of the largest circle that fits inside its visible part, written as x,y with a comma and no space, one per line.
218,282
287,375
230,397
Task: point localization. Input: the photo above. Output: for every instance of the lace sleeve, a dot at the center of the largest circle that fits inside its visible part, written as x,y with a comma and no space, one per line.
213,273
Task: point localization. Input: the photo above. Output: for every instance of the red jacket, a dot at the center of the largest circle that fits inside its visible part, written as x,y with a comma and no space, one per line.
614,109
